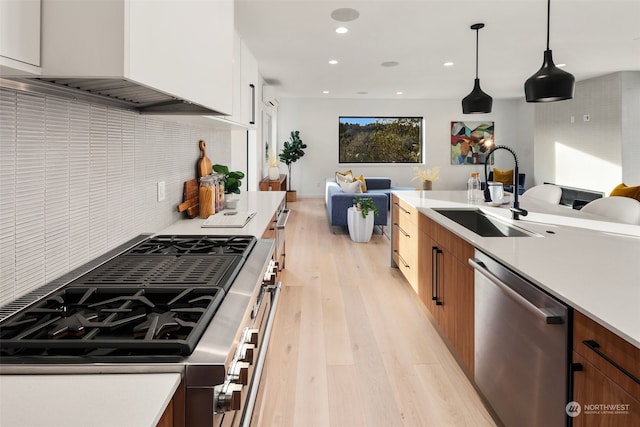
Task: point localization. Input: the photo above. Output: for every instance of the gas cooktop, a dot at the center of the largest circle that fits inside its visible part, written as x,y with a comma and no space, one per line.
195,245
156,298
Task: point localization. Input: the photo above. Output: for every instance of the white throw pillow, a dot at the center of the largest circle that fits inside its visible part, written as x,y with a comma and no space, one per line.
351,187
340,178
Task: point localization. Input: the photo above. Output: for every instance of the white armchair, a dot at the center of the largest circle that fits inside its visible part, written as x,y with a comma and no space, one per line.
616,208
546,192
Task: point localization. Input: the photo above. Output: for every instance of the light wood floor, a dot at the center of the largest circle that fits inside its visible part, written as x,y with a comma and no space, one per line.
352,344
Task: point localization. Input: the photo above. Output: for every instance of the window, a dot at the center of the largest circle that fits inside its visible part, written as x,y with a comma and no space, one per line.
380,139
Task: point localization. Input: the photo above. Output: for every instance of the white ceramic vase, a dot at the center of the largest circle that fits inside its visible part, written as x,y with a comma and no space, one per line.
274,173
360,229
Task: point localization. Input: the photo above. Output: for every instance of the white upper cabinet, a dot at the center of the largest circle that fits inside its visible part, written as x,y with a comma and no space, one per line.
245,84
183,48
249,85
19,36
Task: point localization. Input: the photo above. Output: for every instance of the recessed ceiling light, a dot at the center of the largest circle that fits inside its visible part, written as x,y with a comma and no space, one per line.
342,30
345,14
390,64
333,62
325,91
448,64
399,92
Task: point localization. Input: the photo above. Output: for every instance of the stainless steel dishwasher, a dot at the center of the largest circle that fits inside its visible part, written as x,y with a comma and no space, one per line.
521,347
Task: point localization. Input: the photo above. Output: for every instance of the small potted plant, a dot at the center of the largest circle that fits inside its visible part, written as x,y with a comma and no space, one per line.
292,151
232,179
360,219
427,176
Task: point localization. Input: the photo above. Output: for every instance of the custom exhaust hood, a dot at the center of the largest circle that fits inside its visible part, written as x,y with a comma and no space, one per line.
113,92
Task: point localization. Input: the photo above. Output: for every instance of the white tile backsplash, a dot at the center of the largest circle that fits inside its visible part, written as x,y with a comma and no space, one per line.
77,179
7,195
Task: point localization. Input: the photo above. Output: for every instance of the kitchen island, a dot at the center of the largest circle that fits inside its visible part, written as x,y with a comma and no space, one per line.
588,263
485,279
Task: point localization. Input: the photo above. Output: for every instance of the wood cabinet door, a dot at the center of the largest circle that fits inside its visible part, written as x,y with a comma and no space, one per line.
426,271
405,241
615,357
603,403
457,304
408,252
446,286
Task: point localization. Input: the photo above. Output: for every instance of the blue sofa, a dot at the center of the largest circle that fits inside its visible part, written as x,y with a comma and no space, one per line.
337,201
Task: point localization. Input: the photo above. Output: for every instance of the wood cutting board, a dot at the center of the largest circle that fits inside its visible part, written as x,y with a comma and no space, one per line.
190,197
204,164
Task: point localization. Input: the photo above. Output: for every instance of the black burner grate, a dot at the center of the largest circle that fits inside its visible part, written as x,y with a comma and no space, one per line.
191,245
153,270
84,321
155,299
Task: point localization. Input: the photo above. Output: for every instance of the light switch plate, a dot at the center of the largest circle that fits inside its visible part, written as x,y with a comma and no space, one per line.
161,191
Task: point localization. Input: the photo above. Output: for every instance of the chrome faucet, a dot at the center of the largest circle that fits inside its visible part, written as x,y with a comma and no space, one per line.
516,210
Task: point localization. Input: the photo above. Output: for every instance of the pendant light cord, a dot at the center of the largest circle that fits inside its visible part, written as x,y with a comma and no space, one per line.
548,20
477,32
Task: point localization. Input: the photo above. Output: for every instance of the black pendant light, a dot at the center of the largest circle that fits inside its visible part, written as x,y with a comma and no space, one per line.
550,83
477,101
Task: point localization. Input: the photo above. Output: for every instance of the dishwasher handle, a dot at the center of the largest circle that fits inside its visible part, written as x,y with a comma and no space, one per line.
541,313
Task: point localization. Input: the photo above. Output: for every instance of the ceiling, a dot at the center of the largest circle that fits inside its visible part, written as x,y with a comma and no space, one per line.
293,40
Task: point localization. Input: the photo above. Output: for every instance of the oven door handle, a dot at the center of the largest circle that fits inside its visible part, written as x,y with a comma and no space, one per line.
283,218
262,354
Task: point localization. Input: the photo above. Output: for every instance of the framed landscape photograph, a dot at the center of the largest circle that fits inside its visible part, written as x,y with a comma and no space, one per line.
470,142
380,139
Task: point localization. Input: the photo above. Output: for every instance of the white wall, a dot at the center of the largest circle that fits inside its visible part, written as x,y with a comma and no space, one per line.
631,128
594,154
317,121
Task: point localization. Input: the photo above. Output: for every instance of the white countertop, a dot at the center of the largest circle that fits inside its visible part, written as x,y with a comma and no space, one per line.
105,400
588,263
264,203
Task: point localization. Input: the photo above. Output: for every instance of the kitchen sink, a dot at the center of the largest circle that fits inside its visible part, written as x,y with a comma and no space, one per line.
482,224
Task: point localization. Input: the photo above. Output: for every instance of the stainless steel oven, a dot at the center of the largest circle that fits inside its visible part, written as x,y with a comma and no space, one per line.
202,306
235,398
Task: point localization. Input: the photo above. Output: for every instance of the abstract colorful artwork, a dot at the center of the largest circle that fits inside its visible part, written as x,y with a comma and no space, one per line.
469,142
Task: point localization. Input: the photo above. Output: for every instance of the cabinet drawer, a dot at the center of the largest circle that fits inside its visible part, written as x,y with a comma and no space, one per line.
592,388
457,246
612,355
426,225
409,271
405,214
408,248
407,255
